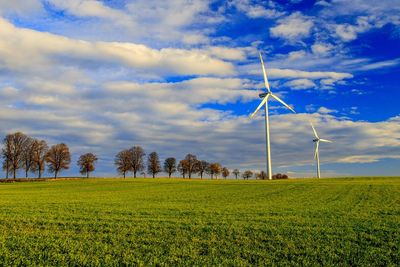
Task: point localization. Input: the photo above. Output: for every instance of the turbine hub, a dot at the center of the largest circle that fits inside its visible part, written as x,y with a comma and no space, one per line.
315,140
263,95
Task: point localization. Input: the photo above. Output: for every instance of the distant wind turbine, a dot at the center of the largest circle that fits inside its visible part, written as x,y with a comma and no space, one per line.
264,97
316,155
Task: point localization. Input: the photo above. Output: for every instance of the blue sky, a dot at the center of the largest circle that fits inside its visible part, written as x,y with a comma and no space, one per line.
182,77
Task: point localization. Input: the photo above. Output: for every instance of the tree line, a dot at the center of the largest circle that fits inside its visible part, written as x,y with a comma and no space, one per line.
133,160
22,152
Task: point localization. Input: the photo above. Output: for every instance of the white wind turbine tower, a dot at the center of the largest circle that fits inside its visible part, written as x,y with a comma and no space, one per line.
265,97
316,155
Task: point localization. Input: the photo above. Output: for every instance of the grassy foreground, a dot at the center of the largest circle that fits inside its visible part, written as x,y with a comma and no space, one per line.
114,222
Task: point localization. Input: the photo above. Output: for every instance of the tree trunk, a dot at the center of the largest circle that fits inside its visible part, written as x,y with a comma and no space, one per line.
124,175
134,174
14,173
169,175
87,174
40,172
154,175
7,168
55,174
26,173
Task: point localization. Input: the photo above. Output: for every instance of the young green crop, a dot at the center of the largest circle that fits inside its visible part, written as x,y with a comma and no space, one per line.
112,222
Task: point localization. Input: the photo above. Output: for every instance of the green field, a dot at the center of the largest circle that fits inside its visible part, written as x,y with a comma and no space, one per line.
112,222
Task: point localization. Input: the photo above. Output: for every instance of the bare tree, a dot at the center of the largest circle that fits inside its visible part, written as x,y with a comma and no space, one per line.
192,164
214,170
86,163
183,167
202,167
170,166
39,155
247,174
27,155
279,176
236,172
6,154
262,175
153,164
225,172
123,162
137,159
14,145
58,158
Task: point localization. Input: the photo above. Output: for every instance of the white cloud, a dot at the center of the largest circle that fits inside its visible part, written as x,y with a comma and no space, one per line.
192,39
348,32
255,10
325,110
92,8
295,55
190,92
321,49
299,84
227,53
381,64
22,49
20,7
168,21
289,73
366,158
292,28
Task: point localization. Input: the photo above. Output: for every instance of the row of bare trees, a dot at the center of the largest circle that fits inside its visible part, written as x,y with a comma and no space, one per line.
22,152
133,160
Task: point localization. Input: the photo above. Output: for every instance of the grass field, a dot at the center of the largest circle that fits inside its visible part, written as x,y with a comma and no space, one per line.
180,222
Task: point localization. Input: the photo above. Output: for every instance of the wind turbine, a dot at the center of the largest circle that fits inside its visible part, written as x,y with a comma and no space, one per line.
265,97
316,155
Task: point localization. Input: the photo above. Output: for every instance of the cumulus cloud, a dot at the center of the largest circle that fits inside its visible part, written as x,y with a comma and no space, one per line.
92,8
299,79
168,21
20,7
321,49
25,49
190,92
289,73
325,110
253,10
293,27
227,53
300,84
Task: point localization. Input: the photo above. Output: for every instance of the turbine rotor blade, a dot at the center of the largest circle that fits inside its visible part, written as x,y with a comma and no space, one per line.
315,131
259,106
283,103
316,150
324,140
265,74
